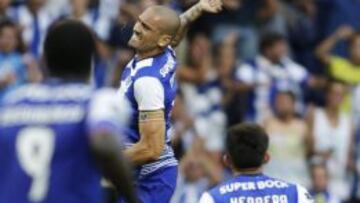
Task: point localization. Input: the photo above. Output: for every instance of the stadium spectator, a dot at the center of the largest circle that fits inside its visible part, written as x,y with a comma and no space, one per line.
331,131
16,68
57,7
302,33
272,70
320,181
247,18
197,173
34,21
225,62
80,10
120,33
202,93
184,134
346,69
333,14
288,142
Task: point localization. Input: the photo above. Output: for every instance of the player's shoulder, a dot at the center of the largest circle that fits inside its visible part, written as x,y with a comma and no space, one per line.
281,181
300,191
160,66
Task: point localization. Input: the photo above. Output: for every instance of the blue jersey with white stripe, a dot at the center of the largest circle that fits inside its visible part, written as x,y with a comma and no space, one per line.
161,68
256,188
44,145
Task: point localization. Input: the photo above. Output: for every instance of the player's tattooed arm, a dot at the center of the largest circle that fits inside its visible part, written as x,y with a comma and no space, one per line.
193,13
152,140
113,164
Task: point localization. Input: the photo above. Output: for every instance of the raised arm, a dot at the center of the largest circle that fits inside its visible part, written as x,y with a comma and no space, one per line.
323,51
193,13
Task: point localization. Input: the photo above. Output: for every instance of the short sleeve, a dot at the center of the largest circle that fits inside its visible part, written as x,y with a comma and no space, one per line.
108,111
206,198
245,73
149,94
303,195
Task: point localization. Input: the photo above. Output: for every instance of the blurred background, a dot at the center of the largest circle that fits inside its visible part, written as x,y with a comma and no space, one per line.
292,66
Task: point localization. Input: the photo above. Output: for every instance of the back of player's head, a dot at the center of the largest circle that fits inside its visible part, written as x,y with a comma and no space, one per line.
68,50
268,40
247,145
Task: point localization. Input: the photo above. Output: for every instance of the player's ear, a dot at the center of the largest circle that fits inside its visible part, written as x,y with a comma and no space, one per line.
227,160
164,40
266,158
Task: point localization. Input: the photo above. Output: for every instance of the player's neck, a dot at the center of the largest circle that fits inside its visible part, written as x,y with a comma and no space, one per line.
149,54
252,171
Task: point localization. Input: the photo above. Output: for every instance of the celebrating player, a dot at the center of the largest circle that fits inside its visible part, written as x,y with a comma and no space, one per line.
53,134
247,146
149,83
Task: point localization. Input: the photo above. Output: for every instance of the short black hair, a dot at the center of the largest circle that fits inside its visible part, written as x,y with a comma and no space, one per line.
246,145
270,39
68,50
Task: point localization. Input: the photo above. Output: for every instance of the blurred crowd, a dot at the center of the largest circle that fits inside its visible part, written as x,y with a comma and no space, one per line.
292,66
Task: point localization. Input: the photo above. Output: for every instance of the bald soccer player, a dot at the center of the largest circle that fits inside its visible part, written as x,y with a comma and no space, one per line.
148,81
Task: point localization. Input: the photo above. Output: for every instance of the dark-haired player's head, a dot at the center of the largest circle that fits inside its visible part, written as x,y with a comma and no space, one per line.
247,146
354,48
273,46
155,29
285,104
68,50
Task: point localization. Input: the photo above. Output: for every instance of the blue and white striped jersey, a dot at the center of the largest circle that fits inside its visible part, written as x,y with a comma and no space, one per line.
150,84
44,142
257,188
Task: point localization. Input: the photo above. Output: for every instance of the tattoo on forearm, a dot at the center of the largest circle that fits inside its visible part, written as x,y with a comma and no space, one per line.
145,116
186,18
190,15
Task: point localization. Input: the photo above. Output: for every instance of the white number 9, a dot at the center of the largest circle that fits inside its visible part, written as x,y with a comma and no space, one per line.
35,147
